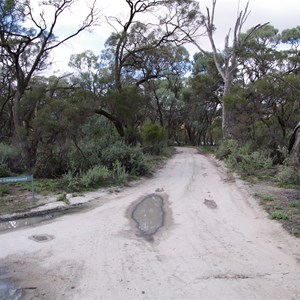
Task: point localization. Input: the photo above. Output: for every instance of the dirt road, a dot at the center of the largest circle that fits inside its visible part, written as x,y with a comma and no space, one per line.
215,243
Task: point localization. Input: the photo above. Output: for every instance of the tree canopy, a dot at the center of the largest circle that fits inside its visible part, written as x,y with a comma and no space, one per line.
143,88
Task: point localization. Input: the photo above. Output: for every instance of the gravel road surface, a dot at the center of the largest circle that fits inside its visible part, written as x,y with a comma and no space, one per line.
214,242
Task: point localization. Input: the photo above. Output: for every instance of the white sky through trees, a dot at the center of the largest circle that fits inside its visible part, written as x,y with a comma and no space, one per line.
281,14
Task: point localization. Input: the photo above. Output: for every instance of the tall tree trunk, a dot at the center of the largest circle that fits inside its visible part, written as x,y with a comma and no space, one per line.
294,146
228,114
227,68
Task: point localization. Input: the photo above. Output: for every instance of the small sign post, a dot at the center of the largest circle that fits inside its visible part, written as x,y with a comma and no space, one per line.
19,179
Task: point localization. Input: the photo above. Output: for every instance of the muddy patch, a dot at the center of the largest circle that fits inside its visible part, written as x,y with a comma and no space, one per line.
210,204
40,238
149,214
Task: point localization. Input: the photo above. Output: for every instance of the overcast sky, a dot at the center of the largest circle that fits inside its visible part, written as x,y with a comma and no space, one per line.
282,14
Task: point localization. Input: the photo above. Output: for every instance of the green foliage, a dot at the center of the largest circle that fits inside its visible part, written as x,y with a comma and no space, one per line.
4,170
8,152
216,131
127,104
242,159
291,36
297,233
153,136
4,190
95,176
114,161
132,159
51,161
250,163
278,215
226,148
152,133
235,99
119,172
63,198
267,198
132,136
71,182
294,204
287,176
10,159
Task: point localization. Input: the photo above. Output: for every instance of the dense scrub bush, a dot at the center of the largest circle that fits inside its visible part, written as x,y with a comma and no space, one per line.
250,163
94,176
51,162
153,136
242,159
119,173
288,175
71,182
226,148
4,170
132,159
10,159
83,157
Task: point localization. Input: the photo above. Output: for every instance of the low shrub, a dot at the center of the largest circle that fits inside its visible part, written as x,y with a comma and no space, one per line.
63,198
296,232
287,175
10,159
94,176
71,182
4,190
4,170
250,163
278,215
294,204
132,159
226,148
242,159
119,173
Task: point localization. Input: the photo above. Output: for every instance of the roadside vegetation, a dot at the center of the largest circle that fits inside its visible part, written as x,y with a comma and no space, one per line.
276,184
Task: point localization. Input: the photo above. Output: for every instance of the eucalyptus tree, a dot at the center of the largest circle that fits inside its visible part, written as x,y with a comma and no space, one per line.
26,39
267,101
228,65
260,55
203,99
6,95
165,93
138,52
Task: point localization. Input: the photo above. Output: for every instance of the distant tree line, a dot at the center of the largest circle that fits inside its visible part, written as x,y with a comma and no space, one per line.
142,91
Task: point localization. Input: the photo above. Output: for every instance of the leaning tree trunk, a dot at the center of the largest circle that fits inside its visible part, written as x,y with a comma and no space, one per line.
294,146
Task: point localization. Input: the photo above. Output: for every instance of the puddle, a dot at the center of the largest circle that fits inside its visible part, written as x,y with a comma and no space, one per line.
8,225
8,291
149,214
42,217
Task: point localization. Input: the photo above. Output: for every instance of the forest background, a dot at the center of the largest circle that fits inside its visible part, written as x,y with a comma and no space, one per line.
107,116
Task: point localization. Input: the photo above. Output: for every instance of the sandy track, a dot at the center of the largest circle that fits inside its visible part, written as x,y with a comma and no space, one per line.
216,243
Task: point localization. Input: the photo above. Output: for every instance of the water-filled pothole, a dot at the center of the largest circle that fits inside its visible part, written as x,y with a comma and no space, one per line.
13,224
149,214
8,290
